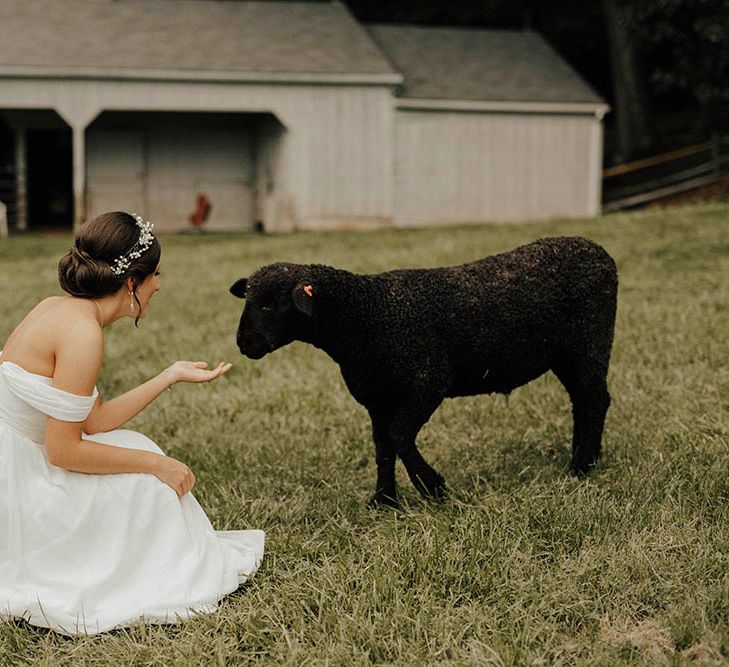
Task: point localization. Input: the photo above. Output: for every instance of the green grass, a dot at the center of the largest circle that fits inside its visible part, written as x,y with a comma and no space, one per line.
524,564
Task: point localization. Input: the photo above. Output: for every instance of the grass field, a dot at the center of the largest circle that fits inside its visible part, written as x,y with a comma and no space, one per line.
523,564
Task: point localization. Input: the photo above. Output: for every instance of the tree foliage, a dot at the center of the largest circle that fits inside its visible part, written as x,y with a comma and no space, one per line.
685,48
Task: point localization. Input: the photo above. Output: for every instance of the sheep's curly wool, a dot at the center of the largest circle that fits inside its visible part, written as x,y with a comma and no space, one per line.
407,339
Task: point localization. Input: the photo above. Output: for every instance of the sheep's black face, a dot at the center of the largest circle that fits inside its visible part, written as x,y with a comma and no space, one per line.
272,316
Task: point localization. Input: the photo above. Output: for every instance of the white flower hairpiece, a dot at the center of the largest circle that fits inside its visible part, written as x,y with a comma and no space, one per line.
123,262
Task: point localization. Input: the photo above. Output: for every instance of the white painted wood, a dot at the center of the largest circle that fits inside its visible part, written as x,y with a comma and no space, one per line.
115,171
594,189
190,158
159,168
79,174
340,155
477,167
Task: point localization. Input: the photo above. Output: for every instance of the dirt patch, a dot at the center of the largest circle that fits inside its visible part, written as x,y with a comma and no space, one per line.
647,636
654,642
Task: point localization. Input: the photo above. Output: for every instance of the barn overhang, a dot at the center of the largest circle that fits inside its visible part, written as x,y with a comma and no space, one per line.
497,106
174,75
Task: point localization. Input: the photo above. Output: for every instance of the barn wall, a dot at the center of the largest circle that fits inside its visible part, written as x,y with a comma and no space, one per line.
334,162
456,167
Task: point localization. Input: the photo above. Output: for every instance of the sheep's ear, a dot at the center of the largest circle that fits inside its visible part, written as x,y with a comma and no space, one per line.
303,296
238,288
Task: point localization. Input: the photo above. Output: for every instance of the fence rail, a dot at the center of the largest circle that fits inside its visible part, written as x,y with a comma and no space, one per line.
659,176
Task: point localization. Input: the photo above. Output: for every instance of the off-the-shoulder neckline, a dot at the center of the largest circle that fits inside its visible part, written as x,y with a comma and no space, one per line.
38,375
49,380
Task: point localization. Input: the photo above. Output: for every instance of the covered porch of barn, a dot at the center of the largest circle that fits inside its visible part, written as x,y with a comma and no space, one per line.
55,173
37,142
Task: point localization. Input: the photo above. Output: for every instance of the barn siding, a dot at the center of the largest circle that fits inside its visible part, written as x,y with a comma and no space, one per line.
159,166
455,167
335,158
345,156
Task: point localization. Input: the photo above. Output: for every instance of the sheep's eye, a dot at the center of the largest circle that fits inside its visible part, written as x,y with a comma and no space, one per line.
268,303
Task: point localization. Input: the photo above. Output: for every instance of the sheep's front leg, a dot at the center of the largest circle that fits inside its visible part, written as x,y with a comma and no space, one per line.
585,383
403,430
385,491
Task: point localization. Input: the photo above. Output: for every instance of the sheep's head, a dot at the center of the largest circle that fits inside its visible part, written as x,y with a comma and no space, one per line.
279,304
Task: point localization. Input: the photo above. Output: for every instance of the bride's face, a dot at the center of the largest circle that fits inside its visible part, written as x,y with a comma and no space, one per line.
147,289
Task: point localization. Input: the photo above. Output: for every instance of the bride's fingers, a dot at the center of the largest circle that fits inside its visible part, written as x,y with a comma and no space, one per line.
200,364
221,368
224,368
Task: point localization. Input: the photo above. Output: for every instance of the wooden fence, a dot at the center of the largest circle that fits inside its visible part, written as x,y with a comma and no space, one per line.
653,178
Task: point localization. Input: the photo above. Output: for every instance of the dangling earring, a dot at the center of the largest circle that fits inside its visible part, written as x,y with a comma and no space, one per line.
131,302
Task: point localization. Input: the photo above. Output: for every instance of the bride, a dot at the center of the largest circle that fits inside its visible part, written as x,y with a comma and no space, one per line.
98,528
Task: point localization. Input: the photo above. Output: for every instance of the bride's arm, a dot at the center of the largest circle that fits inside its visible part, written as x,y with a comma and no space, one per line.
78,360
108,415
112,414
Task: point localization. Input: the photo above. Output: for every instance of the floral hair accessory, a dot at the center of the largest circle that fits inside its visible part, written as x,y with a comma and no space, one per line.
123,262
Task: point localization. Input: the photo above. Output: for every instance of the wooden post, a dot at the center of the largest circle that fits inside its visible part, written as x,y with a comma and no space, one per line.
21,179
79,175
3,221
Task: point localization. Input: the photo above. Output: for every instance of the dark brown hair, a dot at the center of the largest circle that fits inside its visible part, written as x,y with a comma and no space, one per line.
85,270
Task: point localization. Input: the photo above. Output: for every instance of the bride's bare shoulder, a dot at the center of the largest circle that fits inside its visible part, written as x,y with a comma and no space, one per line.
53,324
46,304
54,321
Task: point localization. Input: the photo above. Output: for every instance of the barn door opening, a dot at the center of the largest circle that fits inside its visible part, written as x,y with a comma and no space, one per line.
50,178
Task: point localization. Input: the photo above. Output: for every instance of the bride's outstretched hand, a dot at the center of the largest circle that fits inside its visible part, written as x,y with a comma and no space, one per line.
196,371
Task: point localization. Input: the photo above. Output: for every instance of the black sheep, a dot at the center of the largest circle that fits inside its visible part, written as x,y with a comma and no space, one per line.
407,339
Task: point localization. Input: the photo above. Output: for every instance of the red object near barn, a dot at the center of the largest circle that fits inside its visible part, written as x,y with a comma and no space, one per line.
202,211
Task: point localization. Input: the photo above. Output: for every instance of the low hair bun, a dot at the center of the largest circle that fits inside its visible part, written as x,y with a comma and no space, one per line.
85,270
81,275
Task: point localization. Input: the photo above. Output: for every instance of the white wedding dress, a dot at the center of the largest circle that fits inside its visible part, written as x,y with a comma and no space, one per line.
84,553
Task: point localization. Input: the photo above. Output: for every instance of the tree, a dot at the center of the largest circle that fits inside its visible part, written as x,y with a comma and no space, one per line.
629,97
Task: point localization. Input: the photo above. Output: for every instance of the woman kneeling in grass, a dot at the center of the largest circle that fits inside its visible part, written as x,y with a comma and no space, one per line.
98,527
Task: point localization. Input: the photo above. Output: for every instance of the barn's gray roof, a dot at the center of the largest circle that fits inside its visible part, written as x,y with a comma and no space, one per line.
476,64
186,35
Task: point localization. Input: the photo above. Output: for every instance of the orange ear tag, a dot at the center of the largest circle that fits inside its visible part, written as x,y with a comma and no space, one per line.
308,290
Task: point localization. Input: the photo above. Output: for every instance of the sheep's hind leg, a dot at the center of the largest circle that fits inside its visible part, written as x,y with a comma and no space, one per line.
386,490
403,430
590,402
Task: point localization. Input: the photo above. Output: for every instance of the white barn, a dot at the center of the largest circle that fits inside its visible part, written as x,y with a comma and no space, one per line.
291,114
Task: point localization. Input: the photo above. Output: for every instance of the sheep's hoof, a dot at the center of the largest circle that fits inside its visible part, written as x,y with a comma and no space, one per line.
383,500
433,489
582,468
438,492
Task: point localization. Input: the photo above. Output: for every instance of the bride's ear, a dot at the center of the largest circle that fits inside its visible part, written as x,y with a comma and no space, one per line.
238,288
